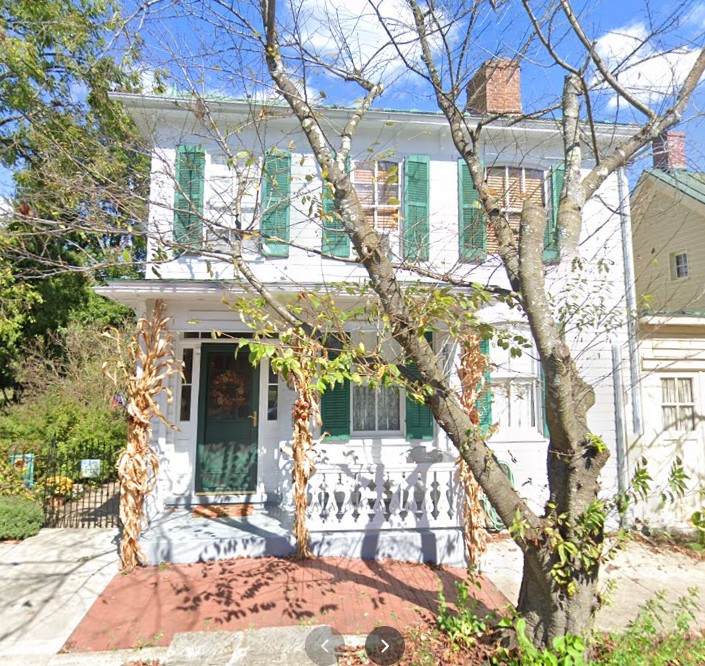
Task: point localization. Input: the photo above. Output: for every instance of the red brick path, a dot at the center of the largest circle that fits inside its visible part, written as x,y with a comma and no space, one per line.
150,605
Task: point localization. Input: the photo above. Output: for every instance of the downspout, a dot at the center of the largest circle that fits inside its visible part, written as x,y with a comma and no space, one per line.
620,426
630,296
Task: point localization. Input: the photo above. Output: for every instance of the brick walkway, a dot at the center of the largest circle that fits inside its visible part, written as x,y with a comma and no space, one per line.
150,605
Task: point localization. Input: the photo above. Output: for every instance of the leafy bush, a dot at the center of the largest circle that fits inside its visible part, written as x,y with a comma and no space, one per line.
20,517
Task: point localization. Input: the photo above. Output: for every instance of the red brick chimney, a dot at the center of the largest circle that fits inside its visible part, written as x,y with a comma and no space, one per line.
669,150
495,88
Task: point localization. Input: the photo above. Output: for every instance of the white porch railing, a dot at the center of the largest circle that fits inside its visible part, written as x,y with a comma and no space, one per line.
383,497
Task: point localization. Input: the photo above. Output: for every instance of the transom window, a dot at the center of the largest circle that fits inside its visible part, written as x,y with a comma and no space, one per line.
377,185
677,405
679,266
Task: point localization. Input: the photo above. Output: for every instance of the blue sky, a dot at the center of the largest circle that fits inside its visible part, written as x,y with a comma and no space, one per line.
618,27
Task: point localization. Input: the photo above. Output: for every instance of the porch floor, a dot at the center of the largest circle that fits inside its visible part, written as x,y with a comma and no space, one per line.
177,536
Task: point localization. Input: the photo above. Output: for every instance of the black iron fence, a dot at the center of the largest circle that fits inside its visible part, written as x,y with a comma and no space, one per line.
77,485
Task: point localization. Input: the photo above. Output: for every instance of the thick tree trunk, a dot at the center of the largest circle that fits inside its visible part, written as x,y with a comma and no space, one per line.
549,612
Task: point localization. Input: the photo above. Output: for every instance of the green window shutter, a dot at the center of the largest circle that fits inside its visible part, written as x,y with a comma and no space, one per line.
334,240
276,189
551,251
484,402
419,418
416,208
188,197
335,411
472,231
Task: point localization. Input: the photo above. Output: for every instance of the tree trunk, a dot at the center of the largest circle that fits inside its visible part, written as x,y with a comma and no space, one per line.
550,612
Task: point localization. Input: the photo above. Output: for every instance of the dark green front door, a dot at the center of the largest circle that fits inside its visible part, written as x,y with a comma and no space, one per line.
226,455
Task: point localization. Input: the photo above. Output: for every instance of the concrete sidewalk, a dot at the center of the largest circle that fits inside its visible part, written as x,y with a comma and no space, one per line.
48,583
640,572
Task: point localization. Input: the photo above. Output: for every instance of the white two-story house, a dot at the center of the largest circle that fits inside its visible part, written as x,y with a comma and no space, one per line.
384,484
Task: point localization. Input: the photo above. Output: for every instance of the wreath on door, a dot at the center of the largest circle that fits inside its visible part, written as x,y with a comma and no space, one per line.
229,391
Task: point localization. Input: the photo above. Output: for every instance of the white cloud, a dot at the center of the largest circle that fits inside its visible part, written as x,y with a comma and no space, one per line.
647,73
351,33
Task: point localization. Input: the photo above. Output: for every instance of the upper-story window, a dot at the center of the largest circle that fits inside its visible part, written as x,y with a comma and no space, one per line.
232,196
512,186
679,266
404,228
377,186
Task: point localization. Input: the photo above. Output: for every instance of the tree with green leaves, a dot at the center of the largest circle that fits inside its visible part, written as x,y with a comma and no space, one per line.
78,169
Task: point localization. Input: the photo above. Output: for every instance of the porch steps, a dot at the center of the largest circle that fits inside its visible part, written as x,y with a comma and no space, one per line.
176,536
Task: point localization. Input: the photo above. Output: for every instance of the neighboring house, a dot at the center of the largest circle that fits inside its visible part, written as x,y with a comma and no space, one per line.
385,482
668,209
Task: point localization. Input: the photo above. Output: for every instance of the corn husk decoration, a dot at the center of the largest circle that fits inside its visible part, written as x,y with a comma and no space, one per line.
305,411
471,373
149,361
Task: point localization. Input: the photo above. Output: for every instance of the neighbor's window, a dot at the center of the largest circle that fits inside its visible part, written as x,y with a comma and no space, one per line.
186,386
677,405
679,265
377,185
376,409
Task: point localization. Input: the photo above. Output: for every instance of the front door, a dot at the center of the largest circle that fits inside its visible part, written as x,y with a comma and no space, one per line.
226,456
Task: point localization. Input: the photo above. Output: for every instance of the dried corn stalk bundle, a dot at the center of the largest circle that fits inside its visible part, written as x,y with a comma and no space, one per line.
305,411
149,361
471,372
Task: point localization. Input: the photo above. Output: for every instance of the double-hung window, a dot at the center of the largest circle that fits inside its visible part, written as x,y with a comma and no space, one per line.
377,185
516,390
232,199
378,409
513,186
677,404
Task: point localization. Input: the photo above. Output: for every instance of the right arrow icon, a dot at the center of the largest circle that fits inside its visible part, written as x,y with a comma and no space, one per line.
384,646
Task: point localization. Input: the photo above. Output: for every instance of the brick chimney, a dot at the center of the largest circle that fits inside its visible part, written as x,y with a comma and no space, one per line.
669,150
495,88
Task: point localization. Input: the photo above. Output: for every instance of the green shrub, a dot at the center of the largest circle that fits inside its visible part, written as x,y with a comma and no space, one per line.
20,518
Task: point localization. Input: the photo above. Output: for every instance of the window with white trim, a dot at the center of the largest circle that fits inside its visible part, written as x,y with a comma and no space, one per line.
516,391
514,185
377,186
677,404
378,409
679,266
232,193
